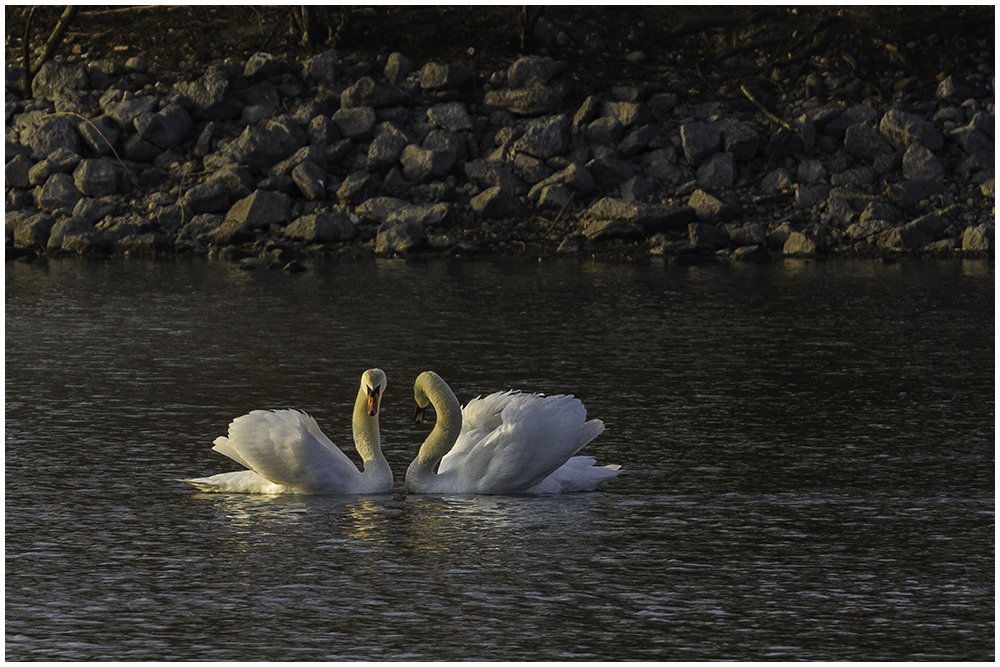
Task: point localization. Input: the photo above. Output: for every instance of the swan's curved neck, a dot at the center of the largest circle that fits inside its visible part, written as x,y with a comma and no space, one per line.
367,439
447,426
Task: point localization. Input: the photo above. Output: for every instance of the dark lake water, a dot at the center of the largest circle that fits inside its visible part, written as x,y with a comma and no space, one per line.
807,450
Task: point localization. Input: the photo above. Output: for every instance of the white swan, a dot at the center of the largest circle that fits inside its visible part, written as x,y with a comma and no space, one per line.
508,442
287,453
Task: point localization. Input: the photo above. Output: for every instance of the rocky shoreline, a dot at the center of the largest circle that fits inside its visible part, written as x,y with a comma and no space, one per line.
271,160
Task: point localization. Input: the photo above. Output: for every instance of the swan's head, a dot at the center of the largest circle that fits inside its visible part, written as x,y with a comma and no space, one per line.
423,384
373,383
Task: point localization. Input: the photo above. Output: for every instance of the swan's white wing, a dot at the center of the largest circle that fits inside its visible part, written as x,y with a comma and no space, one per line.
287,448
480,418
534,437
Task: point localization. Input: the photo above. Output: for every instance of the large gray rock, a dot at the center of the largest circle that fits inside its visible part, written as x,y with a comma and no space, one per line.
906,237
636,141
495,202
310,179
397,68
556,196
357,187
487,173
100,135
575,177
606,230
452,116
50,134
355,122
529,71
16,172
322,68
210,94
388,146
609,172
904,129
920,162
54,78
750,234
60,160
434,76
67,227
148,244
707,237
531,101
799,244
259,148
864,141
368,92
165,128
421,165
711,209
208,197
322,227
979,237
96,178
200,226
263,65
717,171
399,237
651,217
59,192
607,130
125,110
33,231
261,209
739,138
700,140
545,138
395,210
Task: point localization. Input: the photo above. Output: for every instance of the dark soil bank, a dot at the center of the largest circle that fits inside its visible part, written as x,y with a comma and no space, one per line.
622,133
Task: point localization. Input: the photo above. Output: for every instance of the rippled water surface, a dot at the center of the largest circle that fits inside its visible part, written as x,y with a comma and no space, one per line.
807,452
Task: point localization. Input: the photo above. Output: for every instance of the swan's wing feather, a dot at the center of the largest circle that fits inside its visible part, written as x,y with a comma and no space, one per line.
512,441
480,419
286,447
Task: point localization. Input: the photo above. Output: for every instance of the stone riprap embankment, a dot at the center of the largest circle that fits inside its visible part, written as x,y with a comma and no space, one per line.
269,160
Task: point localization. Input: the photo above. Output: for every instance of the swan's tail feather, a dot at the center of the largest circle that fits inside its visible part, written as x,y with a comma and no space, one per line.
242,481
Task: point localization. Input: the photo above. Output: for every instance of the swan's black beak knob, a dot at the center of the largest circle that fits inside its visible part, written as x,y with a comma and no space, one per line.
373,401
418,415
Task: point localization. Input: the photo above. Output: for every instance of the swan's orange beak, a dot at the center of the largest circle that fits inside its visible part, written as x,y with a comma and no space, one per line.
418,415
373,401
